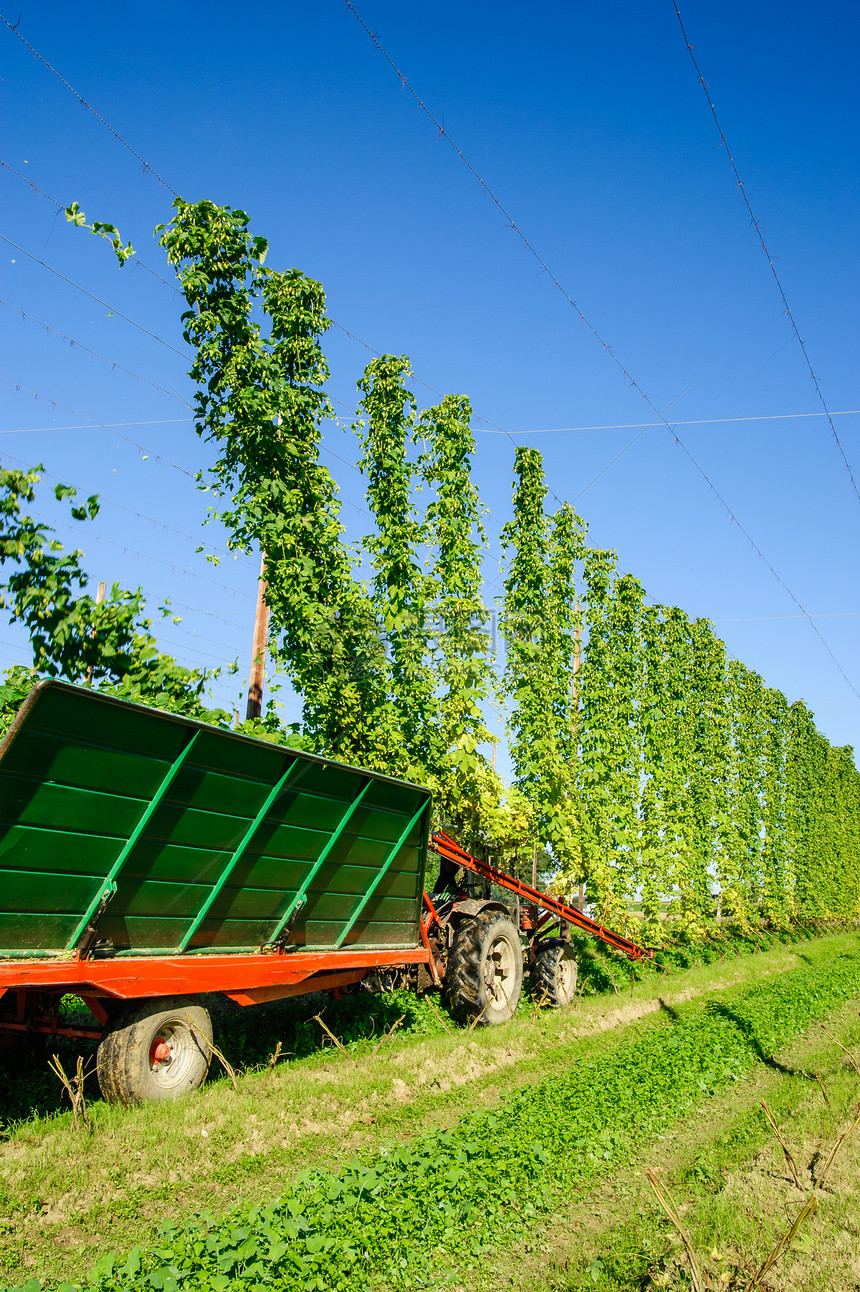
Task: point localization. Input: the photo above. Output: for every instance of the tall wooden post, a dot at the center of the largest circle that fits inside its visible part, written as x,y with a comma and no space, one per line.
258,649
577,661
100,596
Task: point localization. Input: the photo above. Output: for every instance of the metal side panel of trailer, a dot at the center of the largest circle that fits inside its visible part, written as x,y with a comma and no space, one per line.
133,831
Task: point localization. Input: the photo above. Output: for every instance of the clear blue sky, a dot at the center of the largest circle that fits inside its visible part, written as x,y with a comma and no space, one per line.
588,123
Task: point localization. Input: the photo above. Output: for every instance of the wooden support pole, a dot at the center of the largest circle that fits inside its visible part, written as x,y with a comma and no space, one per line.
258,649
574,698
100,596
575,702
577,663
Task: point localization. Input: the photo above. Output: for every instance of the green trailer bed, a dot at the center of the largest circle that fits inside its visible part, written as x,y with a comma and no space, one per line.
128,831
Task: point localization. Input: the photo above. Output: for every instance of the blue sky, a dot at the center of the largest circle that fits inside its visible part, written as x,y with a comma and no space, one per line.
590,126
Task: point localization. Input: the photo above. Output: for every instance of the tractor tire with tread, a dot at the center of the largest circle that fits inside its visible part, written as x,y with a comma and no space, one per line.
554,974
484,977
154,1049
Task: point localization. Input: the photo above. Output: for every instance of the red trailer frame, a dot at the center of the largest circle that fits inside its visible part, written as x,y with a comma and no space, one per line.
246,979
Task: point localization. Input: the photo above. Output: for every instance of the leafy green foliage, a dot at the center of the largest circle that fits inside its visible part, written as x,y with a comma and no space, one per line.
401,586
530,723
76,216
610,740
710,739
108,644
822,821
442,1200
260,402
463,667
540,624
658,771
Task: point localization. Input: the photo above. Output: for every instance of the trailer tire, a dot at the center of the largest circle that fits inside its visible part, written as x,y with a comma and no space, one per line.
555,973
485,969
154,1050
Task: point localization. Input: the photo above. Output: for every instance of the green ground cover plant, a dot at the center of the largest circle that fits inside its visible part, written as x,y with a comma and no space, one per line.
414,1215
728,1173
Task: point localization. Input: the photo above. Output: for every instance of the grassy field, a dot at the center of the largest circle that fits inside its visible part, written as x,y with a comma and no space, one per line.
68,1196
734,1191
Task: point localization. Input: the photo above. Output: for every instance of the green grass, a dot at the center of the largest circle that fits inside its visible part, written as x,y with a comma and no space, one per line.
730,1180
439,1201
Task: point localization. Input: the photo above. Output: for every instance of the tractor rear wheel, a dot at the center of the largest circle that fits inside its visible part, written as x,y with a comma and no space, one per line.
485,969
555,972
154,1049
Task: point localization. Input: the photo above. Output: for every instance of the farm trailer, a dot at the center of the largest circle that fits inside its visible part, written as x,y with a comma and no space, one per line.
147,860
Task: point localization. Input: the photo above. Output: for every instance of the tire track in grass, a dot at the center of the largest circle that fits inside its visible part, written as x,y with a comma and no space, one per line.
440,1203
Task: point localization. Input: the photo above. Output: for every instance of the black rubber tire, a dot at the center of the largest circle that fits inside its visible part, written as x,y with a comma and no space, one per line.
555,973
484,977
127,1070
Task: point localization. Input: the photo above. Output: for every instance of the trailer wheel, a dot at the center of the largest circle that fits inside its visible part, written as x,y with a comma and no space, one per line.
154,1049
555,971
485,969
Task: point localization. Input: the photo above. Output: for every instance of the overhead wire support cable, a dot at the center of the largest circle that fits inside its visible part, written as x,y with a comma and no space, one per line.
106,426
109,426
629,445
135,260
210,614
443,134
183,354
30,184
764,247
79,345
189,650
188,632
118,137
690,421
139,515
144,556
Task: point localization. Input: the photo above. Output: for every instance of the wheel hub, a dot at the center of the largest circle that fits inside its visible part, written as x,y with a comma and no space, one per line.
160,1052
499,970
